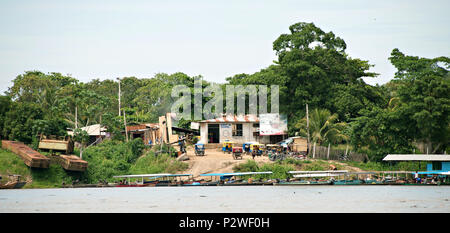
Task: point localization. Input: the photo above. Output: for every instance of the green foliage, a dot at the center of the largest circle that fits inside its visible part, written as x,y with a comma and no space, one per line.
114,126
394,166
10,163
279,170
423,92
323,127
112,158
80,136
383,132
106,160
50,126
150,164
19,121
136,146
52,177
183,123
5,105
417,111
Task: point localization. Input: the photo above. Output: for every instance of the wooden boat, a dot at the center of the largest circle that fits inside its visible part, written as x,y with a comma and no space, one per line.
20,185
347,182
211,183
160,179
313,177
194,183
373,182
8,185
132,185
13,183
225,179
304,182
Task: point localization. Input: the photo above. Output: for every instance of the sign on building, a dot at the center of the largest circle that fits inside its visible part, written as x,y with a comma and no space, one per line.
195,125
272,124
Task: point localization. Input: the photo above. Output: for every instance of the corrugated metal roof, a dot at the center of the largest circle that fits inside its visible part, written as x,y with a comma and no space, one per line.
136,127
233,119
92,130
142,126
416,157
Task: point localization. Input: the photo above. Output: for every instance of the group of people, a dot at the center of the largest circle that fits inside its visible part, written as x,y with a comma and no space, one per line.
123,182
434,180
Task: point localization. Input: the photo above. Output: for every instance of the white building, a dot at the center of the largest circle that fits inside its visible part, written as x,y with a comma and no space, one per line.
239,129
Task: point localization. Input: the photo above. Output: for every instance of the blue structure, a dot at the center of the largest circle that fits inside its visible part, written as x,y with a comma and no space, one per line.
436,164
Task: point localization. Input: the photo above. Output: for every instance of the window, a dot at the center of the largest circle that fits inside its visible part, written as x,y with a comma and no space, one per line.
237,130
437,166
256,125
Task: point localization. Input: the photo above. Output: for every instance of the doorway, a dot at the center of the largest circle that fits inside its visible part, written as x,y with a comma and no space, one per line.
213,133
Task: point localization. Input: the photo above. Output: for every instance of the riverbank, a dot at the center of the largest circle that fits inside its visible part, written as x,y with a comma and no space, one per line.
118,158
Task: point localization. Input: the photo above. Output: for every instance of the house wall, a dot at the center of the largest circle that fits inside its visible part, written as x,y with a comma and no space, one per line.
445,167
204,133
226,133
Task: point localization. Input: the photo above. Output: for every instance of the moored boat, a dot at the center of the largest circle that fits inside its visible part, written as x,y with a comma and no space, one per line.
304,182
151,180
347,182
226,179
13,183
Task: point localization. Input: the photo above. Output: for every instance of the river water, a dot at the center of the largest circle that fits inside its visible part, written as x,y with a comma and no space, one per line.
236,199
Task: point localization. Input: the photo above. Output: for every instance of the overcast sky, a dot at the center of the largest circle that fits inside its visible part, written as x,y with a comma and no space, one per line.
215,39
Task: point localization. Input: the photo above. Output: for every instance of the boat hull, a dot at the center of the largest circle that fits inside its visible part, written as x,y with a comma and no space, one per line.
303,183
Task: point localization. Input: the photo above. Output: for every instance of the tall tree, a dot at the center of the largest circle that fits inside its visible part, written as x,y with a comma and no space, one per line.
323,127
423,92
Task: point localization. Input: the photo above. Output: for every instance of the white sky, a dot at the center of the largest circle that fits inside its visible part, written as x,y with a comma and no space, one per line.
215,39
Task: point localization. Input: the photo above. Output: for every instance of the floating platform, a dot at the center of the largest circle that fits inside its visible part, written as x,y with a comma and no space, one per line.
29,156
72,163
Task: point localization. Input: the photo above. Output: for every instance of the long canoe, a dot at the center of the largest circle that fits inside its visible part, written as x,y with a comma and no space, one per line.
304,183
347,182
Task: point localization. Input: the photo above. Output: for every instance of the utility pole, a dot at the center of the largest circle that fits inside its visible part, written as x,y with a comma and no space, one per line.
119,94
125,123
76,116
307,127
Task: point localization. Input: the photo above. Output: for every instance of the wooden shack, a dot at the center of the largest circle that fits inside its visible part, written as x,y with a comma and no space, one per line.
299,144
149,132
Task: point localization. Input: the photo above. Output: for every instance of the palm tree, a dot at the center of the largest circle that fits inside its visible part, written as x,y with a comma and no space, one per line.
323,127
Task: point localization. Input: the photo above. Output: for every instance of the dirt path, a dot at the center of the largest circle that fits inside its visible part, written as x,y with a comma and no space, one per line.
215,161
